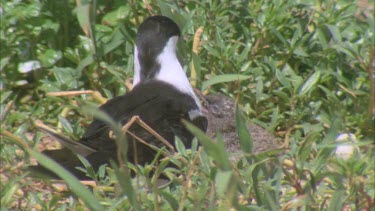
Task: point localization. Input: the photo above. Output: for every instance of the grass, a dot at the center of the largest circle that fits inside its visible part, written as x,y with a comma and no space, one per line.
307,75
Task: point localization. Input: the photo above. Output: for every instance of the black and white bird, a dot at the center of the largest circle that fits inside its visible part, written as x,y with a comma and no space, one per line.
161,97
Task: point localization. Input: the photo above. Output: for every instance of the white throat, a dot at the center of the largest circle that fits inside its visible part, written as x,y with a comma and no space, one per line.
137,68
170,69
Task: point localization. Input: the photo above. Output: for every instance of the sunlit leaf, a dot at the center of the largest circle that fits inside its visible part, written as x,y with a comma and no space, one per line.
223,78
309,83
244,136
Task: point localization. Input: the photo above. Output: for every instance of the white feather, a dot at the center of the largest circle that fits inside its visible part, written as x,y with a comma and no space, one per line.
171,70
137,68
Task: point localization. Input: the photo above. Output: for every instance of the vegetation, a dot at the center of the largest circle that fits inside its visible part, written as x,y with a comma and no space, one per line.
308,75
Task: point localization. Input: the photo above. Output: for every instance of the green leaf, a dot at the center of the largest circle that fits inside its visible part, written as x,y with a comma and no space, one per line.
170,198
4,95
309,84
180,146
222,180
278,35
66,124
335,32
196,64
50,57
215,150
4,62
300,52
115,16
74,184
281,77
244,136
337,200
67,78
223,78
83,16
89,170
322,38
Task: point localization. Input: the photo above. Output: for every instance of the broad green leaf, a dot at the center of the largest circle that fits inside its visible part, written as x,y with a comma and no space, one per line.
282,95
223,78
300,52
337,200
244,136
309,83
171,198
278,35
322,38
222,180
259,91
4,62
180,146
89,169
113,17
49,57
83,16
196,70
67,78
66,124
85,62
4,95
213,51
281,77
335,32
116,41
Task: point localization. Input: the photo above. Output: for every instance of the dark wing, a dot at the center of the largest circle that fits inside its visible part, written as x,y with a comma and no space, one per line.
74,146
158,104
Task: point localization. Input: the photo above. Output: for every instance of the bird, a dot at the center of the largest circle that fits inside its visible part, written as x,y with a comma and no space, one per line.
161,97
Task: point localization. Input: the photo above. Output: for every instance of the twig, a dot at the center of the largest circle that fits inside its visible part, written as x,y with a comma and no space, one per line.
148,128
96,95
38,123
125,130
145,143
347,90
15,139
285,145
148,7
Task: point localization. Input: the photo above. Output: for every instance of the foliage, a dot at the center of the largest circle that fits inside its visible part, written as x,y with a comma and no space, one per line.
302,69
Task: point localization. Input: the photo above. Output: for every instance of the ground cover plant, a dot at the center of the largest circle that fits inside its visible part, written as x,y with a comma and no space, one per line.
304,70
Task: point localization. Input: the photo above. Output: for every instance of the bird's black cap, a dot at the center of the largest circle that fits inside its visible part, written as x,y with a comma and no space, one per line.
153,35
158,28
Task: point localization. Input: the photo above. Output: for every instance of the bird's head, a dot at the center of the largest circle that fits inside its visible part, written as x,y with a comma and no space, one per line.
157,36
155,55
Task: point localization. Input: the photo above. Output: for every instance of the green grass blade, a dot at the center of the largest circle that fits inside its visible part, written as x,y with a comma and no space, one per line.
244,136
74,184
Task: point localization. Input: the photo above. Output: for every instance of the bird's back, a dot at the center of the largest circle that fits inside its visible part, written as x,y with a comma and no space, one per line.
159,105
